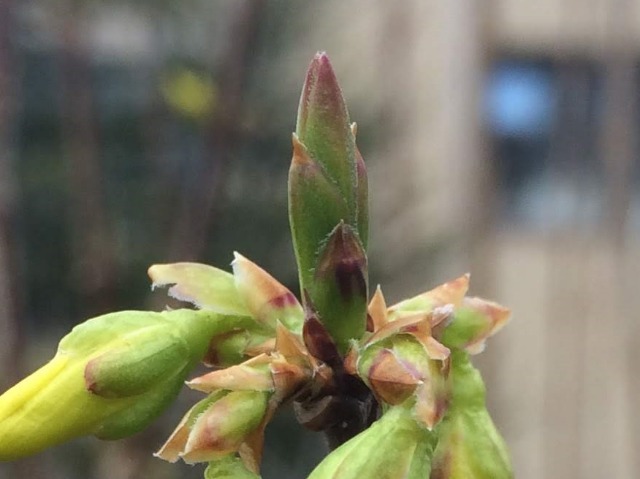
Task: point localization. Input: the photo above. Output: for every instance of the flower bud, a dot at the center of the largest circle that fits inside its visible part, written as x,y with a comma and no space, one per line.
395,446
216,426
110,377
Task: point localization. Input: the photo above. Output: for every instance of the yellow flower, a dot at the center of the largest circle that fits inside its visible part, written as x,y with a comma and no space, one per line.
110,377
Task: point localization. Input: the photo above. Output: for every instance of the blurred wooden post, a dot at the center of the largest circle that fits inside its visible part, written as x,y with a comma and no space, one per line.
619,147
564,314
619,130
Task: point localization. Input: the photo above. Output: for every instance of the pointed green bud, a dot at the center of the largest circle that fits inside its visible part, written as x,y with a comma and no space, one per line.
316,206
469,445
111,376
393,447
328,202
216,426
323,127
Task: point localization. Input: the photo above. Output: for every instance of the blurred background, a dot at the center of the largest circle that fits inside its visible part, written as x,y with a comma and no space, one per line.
502,138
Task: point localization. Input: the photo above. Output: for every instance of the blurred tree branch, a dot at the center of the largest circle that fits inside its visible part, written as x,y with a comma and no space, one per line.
199,203
11,282
10,303
93,252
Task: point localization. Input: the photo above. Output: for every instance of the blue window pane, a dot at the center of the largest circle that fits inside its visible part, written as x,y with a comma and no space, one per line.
520,100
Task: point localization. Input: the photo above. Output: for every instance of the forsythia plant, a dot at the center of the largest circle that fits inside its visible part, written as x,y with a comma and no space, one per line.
392,387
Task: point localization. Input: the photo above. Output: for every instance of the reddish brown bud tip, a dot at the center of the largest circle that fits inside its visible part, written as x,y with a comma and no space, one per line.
321,96
317,339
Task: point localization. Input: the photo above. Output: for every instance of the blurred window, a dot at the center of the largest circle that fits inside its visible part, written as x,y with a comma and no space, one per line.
545,120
